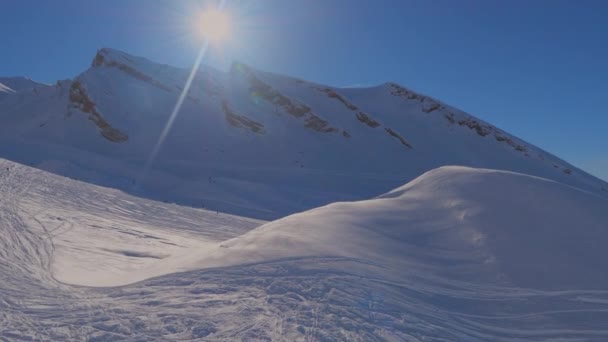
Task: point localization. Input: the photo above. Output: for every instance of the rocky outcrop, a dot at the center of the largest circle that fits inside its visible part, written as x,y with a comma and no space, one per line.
485,130
399,137
79,99
481,129
101,60
269,94
292,107
316,123
241,121
361,116
430,106
397,90
564,170
332,94
450,118
364,118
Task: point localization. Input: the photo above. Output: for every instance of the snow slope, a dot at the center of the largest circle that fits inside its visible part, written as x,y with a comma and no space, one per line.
251,142
481,225
458,254
5,89
17,84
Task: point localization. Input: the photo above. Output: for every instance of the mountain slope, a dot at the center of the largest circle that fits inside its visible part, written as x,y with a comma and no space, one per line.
459,254
292,144
17,84
485,226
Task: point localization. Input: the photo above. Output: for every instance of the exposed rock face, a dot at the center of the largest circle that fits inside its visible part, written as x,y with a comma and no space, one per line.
361,116
367,120
80,100
269,94
477,126
450,118
101,60
397,90
332,94
485,130
241,121
568,172
430,106
292,107
399,137
316,123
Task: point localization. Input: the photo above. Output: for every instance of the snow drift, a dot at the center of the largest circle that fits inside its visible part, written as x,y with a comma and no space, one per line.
483,226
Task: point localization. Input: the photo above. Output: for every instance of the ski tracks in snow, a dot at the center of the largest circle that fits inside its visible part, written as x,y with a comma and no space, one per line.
301,299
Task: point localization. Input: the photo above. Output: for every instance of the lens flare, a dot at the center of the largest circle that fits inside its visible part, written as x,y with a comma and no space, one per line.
177,107
214,25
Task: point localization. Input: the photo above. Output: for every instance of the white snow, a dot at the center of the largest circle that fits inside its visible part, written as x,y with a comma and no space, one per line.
508,247
461,223
5,89
457,254
106,238
17,84
285,168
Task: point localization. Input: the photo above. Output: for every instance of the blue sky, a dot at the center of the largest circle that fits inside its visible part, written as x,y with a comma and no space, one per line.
538,69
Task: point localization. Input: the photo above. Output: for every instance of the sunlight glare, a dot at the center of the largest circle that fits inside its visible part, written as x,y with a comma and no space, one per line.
214,25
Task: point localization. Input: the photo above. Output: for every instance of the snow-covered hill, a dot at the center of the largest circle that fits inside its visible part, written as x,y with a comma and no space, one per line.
250,142
478,225
458,254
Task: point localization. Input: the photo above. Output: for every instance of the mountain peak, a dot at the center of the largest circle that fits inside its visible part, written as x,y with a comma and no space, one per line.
105,55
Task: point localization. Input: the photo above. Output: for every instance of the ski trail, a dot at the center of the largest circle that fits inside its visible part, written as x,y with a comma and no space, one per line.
325,298
26,255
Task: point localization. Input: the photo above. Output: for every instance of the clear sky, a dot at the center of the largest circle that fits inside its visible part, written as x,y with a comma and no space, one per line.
537,69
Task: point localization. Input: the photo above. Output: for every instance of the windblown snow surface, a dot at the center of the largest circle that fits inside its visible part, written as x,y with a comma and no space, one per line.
458,254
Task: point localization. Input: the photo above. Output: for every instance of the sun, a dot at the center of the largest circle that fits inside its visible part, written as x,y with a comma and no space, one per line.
214,25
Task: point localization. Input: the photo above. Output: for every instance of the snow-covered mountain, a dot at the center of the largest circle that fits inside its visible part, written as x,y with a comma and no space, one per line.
508,246
247,141
458,254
